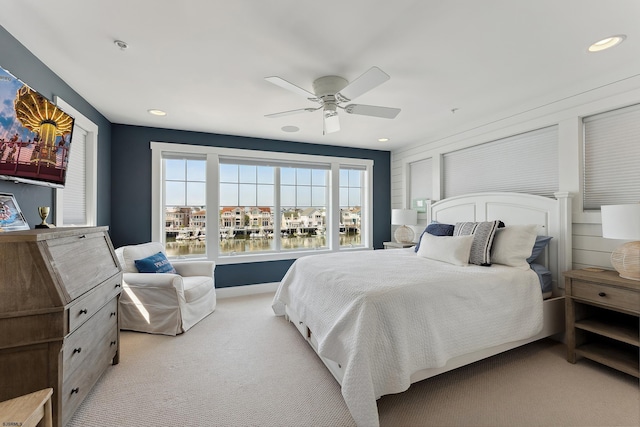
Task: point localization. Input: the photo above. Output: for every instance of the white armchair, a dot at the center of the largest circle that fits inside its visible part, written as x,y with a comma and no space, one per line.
164,303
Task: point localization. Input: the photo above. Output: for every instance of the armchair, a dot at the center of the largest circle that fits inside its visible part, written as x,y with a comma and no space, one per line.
164,303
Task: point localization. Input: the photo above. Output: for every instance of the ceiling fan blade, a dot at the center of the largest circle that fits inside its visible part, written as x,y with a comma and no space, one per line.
291,87
291,112
372,110
367,81
331,123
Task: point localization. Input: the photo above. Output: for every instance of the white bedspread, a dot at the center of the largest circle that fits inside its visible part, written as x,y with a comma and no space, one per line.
386,314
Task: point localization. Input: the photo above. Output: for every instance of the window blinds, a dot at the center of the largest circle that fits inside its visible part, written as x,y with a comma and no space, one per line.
523,163
421,179
75,189
612,158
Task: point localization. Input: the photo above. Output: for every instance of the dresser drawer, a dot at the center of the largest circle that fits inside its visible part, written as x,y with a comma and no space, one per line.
84,377
79,344
82,261
624,299
83,308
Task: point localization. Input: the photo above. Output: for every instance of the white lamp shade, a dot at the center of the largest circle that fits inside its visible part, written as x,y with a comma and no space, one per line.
404,217
621,221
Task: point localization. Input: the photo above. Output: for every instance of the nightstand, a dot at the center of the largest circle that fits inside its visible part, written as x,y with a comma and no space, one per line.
397,245
602,314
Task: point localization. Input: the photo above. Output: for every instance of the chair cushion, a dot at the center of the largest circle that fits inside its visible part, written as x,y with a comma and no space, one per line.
131,253
157,263
196,287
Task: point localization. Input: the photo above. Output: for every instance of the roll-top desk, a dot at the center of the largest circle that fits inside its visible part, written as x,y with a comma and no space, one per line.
59,292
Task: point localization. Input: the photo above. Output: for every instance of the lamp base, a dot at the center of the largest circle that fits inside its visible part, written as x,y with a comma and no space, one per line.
404,234
626,260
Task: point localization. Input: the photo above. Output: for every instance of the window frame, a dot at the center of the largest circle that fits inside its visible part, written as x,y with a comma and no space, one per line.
91,168
213,155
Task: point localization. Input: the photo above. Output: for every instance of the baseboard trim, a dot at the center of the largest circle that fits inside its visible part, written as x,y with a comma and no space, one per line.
238,291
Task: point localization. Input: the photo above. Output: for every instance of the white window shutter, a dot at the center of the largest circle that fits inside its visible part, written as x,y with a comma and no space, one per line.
523,163
75,189
612,158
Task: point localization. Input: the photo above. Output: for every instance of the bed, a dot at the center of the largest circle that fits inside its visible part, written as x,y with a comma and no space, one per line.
382,320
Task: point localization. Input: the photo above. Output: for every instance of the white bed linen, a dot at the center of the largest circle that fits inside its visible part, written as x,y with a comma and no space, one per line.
386,314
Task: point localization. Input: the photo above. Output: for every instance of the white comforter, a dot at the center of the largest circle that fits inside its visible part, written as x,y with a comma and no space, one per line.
386,314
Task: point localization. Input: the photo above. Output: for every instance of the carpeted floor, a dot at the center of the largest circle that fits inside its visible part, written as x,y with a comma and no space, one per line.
242,366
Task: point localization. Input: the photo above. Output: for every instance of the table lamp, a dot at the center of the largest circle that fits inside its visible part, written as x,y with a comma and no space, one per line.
623,222
404,217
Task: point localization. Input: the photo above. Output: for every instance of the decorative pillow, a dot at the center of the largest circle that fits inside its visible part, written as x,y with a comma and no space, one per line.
512,245
436,229
483,233
451,249
545,277
538,247
157,263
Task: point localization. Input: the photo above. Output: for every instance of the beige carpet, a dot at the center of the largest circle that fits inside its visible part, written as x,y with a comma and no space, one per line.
242,366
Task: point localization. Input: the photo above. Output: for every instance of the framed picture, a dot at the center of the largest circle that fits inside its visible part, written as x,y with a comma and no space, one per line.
419,205
11,218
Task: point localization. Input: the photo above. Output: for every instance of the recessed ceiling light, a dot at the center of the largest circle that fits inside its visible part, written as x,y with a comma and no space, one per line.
383,139
290,128
607,43
157,112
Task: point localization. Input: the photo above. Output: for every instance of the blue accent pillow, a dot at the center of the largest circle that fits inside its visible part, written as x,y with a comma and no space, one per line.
436,229
538,247
545,277
157,263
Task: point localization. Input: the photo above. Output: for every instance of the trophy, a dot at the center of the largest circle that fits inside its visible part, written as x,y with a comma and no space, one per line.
43,211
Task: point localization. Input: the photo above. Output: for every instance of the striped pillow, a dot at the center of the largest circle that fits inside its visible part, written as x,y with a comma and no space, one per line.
483,233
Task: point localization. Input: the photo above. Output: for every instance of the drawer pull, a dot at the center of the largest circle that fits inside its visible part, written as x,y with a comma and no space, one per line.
112,343
83,311
300,322
113,313
117,285
77,350
75,390
84,236
602,294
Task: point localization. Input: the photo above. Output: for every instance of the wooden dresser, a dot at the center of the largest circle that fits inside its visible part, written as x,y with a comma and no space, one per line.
59,292
602,314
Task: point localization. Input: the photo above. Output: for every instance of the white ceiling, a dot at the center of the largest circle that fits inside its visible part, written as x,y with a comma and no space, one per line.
204,61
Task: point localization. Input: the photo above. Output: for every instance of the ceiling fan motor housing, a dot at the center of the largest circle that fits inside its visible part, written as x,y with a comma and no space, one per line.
329,85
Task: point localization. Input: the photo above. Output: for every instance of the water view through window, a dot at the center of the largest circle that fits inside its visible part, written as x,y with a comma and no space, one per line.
263,208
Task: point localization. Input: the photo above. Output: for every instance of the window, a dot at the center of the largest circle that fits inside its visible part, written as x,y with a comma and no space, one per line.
76,204
524,163
611,158
244,206
185,209
351,202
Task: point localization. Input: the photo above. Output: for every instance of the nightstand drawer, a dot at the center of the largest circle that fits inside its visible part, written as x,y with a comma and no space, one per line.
606,295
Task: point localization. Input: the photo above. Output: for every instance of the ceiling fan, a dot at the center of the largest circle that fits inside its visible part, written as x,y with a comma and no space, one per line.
333,91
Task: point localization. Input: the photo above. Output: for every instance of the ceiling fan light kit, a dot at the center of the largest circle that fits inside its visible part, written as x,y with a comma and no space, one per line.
331,91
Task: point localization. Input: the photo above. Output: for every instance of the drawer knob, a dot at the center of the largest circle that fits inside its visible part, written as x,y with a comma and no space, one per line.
112,343
117,285
83,311
300,322
602,294
75,390
113,313
83,236
77,350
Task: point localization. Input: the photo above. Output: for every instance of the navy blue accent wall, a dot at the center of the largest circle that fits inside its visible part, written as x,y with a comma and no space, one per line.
131,189
20,62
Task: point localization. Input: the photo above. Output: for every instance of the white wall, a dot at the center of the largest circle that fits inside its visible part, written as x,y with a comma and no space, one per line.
589,248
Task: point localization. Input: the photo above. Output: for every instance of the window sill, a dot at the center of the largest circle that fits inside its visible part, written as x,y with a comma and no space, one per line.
273,256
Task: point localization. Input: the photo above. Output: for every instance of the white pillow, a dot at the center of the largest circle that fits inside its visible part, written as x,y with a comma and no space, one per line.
512,245
451,249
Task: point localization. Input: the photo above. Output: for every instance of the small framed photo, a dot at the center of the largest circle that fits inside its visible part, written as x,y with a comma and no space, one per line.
11,218
419,205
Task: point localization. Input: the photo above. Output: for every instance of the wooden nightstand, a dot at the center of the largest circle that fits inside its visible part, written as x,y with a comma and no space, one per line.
602,314
396,245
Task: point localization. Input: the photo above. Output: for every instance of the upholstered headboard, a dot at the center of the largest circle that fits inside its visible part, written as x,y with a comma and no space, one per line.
553,217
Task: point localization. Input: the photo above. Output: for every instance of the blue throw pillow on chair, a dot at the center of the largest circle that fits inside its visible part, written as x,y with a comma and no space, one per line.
157,263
